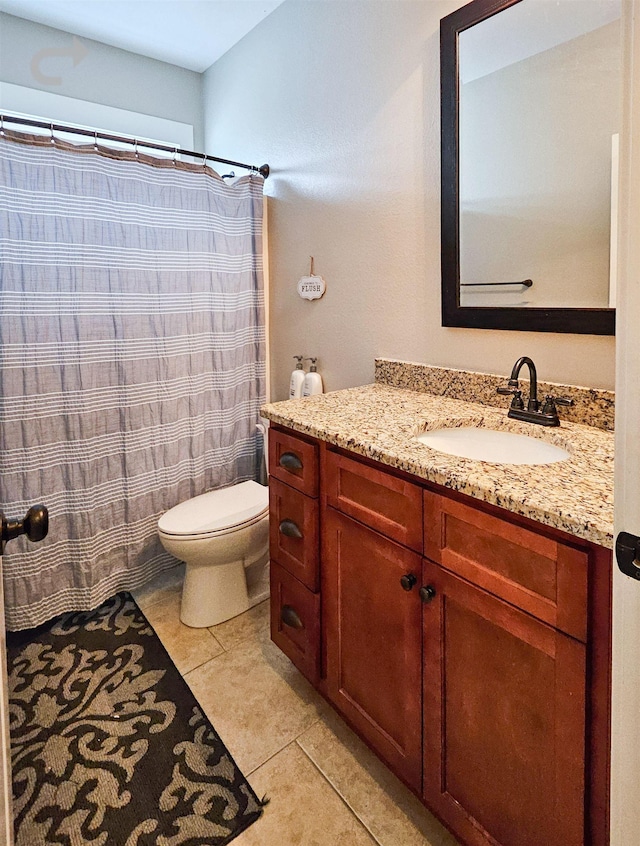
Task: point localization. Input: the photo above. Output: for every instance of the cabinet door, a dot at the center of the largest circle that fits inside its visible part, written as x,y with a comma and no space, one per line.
293,532
504,720
295,621
375,497
540,575
373,640
294,460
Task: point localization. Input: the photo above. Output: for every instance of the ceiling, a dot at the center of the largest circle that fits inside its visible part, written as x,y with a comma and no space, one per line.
192,34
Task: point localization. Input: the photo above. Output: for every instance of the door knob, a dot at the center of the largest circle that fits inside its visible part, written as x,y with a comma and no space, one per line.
35,525
628,554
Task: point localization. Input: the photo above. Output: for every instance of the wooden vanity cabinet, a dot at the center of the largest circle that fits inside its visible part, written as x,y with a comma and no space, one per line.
544,576
371,546
504,678
373,640
469,647
293,548
504,719
294,533
375,497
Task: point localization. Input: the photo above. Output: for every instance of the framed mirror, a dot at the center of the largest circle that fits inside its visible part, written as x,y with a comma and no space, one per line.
530,109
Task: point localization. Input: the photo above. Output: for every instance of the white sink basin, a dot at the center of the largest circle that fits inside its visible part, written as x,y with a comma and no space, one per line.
492,445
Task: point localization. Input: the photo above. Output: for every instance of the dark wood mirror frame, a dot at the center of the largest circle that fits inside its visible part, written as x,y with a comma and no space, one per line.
583,321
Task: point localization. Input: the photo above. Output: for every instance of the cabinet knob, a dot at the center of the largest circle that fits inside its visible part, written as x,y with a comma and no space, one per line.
427,593
408,581
289,617
289,529
290,461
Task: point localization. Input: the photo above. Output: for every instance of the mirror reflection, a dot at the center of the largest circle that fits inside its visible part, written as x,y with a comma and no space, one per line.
538,126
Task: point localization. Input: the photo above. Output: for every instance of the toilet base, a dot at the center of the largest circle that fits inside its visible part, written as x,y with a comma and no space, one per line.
211,595
258,585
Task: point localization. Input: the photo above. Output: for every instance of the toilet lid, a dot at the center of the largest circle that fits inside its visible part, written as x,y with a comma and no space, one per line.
224,508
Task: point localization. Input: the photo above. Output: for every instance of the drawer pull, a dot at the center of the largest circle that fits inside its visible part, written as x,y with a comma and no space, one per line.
427,593
290,618
407,581
289,529
290,461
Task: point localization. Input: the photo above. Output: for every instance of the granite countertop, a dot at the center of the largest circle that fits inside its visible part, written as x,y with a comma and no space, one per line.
380,421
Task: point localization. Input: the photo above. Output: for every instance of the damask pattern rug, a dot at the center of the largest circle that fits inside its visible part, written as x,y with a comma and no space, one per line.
109,746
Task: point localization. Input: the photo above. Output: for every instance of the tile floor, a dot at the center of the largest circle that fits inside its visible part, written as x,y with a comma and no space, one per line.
326,788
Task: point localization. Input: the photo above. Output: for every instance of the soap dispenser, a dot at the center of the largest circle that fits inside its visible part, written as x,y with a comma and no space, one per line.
312,381
297,379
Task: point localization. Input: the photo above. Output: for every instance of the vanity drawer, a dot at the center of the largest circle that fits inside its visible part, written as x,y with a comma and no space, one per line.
384,502
295,621
540,575
293,532
294,461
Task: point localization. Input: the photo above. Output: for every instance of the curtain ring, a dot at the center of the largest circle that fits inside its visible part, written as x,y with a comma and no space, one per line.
204,162
95,141
1,126
53,140
135,147
175,154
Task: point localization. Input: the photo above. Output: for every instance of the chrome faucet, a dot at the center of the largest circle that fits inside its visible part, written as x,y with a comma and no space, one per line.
548,415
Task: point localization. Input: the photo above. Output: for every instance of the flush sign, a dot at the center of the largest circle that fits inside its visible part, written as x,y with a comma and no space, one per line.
311,287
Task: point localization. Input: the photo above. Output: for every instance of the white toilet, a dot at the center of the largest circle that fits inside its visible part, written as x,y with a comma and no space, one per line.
223,538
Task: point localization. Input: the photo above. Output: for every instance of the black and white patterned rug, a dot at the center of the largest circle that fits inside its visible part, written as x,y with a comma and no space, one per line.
109,746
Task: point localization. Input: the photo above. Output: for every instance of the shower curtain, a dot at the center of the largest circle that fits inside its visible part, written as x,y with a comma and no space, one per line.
132,358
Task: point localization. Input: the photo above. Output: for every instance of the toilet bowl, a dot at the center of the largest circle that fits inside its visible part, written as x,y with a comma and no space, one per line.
218,534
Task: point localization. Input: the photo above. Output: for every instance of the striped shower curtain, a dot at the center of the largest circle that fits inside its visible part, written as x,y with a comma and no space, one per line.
132,358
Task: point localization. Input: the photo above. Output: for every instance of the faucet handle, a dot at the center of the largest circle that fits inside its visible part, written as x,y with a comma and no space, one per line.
550,403
516,402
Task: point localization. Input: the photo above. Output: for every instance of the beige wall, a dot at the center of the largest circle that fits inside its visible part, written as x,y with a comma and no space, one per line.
342,99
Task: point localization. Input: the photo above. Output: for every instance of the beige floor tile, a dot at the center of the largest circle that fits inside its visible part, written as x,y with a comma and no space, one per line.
253,624
163,586
386,808
303,810
187,647
256,699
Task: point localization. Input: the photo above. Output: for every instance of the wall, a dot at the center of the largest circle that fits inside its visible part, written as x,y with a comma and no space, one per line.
342,99
105,75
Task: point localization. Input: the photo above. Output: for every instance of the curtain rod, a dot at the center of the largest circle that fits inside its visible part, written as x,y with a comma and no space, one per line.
177,151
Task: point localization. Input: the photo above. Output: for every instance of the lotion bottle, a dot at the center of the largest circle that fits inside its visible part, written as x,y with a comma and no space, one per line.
297,379
312,381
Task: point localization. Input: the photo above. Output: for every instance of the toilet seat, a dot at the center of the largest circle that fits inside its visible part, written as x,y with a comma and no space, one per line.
217,512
